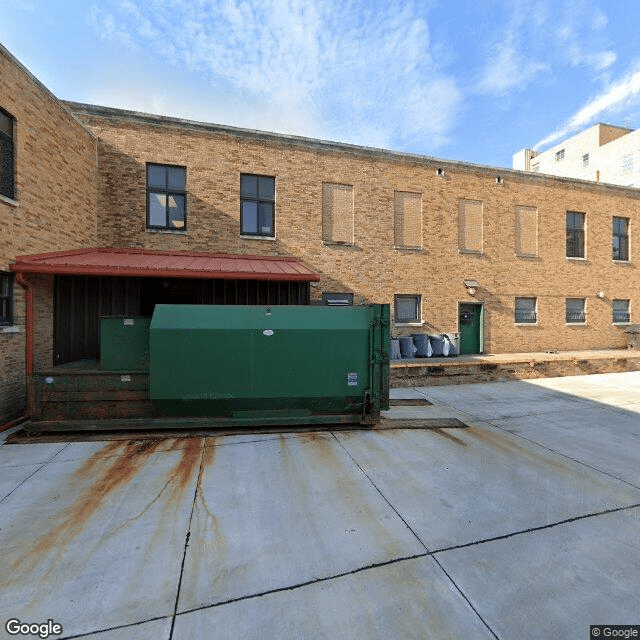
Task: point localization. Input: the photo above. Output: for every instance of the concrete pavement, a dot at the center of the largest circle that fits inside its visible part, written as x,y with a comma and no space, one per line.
525,524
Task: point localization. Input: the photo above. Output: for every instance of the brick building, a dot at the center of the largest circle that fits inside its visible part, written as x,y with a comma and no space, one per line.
513,261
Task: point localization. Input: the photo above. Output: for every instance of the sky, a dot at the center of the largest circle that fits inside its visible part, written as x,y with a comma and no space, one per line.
469,81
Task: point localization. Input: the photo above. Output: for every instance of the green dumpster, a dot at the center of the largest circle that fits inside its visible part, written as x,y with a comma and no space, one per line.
124,343
259,365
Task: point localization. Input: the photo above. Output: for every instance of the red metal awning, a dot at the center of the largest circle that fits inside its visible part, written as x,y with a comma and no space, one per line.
166,264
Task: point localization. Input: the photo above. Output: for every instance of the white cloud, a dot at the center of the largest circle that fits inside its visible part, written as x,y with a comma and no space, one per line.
349,71
24,5
618,96
532,43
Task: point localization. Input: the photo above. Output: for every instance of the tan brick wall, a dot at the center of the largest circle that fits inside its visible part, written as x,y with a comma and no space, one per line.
372,268
54,208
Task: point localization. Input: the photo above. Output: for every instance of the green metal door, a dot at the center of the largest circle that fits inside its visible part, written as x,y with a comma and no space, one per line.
470,328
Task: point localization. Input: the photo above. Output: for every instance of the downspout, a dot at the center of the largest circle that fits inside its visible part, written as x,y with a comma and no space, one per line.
29,368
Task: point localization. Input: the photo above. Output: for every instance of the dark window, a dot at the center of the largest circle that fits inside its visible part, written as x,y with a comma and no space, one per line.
621,238
559,155
575,311
257,205
7,155
407,308
620,311
526,310
6,296
166,197
337,299
575,234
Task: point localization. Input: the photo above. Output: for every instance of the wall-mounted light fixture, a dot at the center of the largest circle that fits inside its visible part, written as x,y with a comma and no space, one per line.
600,295
472,286
439,171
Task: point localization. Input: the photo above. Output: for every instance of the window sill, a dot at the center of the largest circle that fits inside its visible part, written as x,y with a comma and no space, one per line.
177,232
577,258
400,247
409,324
621,262
470,253
11,201
621,324
267,238
10,329
526,324
529,256
575,324
330,243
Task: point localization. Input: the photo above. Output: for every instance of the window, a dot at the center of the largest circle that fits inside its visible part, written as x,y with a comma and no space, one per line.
7,155
620,311
575,234
526,231
470,226
337,213
166,197
535,167
526,310
575,311
257,205
337,299
627,163
585,160
559,155
407,308
408,219
620,238
6,296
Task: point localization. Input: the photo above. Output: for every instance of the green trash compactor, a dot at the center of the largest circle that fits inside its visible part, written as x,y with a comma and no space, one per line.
270,365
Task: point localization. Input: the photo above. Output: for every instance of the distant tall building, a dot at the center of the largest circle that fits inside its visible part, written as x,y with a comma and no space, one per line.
601,153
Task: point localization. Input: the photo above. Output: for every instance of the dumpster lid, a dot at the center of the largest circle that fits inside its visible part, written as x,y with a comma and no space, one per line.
177,264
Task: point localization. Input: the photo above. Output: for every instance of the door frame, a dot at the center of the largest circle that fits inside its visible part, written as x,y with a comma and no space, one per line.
480,328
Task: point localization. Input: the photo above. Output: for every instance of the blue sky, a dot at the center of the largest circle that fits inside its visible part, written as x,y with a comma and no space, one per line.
469,81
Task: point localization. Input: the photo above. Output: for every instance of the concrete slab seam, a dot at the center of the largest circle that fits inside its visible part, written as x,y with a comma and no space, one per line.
121,626
550,525
564,455
475,417
186,543
461,592
366,475
307,583
429,553
34,473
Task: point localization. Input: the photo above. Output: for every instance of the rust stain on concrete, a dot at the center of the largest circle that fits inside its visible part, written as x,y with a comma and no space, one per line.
113,467
448,436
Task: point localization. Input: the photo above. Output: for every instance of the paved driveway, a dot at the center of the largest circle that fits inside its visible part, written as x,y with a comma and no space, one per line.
524,525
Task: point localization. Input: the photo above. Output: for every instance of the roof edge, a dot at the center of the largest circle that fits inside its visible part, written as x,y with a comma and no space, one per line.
139,117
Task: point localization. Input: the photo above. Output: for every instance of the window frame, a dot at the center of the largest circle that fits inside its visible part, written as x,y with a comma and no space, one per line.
627,313
417,300
535,311
583,319
6,320
560,155
573,232
167,192
258,200
330,299
10,141
585,160
620,236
